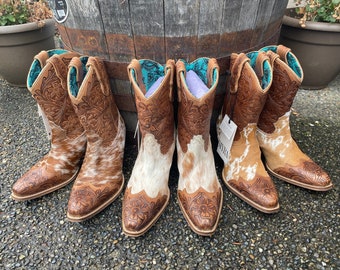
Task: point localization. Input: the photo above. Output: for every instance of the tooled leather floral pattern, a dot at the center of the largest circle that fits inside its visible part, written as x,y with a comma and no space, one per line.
100,179
201,207
140,211
97,112
245,105
261,190
53,98
280,97
155,116
194,117
308,172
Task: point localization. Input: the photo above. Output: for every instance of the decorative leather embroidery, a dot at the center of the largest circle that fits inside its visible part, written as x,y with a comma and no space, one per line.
308,172
245,105
261,190
156,116
280,97
100,178
68,141
139,210
202,207
194,117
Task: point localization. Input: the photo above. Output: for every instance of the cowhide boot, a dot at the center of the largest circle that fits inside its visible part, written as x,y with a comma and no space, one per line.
199,193
284,159
47,83
147,192
244,173
100,179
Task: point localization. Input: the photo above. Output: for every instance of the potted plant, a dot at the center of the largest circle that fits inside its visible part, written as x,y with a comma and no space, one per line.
26,28
312,31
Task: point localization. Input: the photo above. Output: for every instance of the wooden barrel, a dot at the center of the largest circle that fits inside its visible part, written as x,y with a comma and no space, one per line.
119,30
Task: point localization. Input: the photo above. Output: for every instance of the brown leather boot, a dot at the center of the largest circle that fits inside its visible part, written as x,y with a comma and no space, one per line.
47,83
284,159
147,193
244,173
199,193
100,179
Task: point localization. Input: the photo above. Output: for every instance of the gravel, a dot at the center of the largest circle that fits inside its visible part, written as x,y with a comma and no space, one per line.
303,235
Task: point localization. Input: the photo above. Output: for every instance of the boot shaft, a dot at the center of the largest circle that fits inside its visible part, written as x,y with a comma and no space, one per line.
91,96
47,83
194,113
153,87
251,78
287,78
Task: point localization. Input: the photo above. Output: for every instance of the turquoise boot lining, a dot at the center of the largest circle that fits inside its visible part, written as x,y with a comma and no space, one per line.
266,79
291,60
73,83
200,67
151,71
36,67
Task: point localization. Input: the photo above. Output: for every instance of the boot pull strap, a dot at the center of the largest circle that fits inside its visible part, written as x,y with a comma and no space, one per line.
261,58
170,67
76,63
180,67
135,74
212,65
60,67
99,67
272,57
42,58
282,51
239,60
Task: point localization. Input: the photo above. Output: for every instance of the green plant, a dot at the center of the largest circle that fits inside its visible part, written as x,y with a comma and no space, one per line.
318,11
14,12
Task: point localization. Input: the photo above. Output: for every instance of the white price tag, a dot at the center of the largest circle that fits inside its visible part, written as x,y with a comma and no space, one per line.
226,134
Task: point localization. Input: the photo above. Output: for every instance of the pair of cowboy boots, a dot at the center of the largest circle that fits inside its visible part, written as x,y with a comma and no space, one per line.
199,192
87,134
262,88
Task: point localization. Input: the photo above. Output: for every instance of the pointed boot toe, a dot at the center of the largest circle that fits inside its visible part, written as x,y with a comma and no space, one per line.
86,201
307,174
201,209
40,180
259,193
140,212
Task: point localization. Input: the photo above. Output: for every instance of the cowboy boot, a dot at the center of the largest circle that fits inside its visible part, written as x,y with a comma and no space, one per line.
147,192
284,159
47,83
244,173
199,193
100,179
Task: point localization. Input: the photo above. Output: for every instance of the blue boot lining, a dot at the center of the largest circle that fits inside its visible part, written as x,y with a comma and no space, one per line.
291,59
36,66
151,71
74,82
266,79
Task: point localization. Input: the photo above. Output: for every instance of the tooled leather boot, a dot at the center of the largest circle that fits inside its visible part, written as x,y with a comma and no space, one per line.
147,192
199,193
100,179
47,83
284,159
244,173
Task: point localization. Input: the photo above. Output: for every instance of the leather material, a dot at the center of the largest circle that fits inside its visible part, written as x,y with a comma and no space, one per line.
60,166
199,191
147,192
244,173
283,156
100,179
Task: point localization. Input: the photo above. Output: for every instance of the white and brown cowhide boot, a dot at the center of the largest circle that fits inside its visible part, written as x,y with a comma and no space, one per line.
284,159
200,195
101,178
244,173
47,83
147,192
